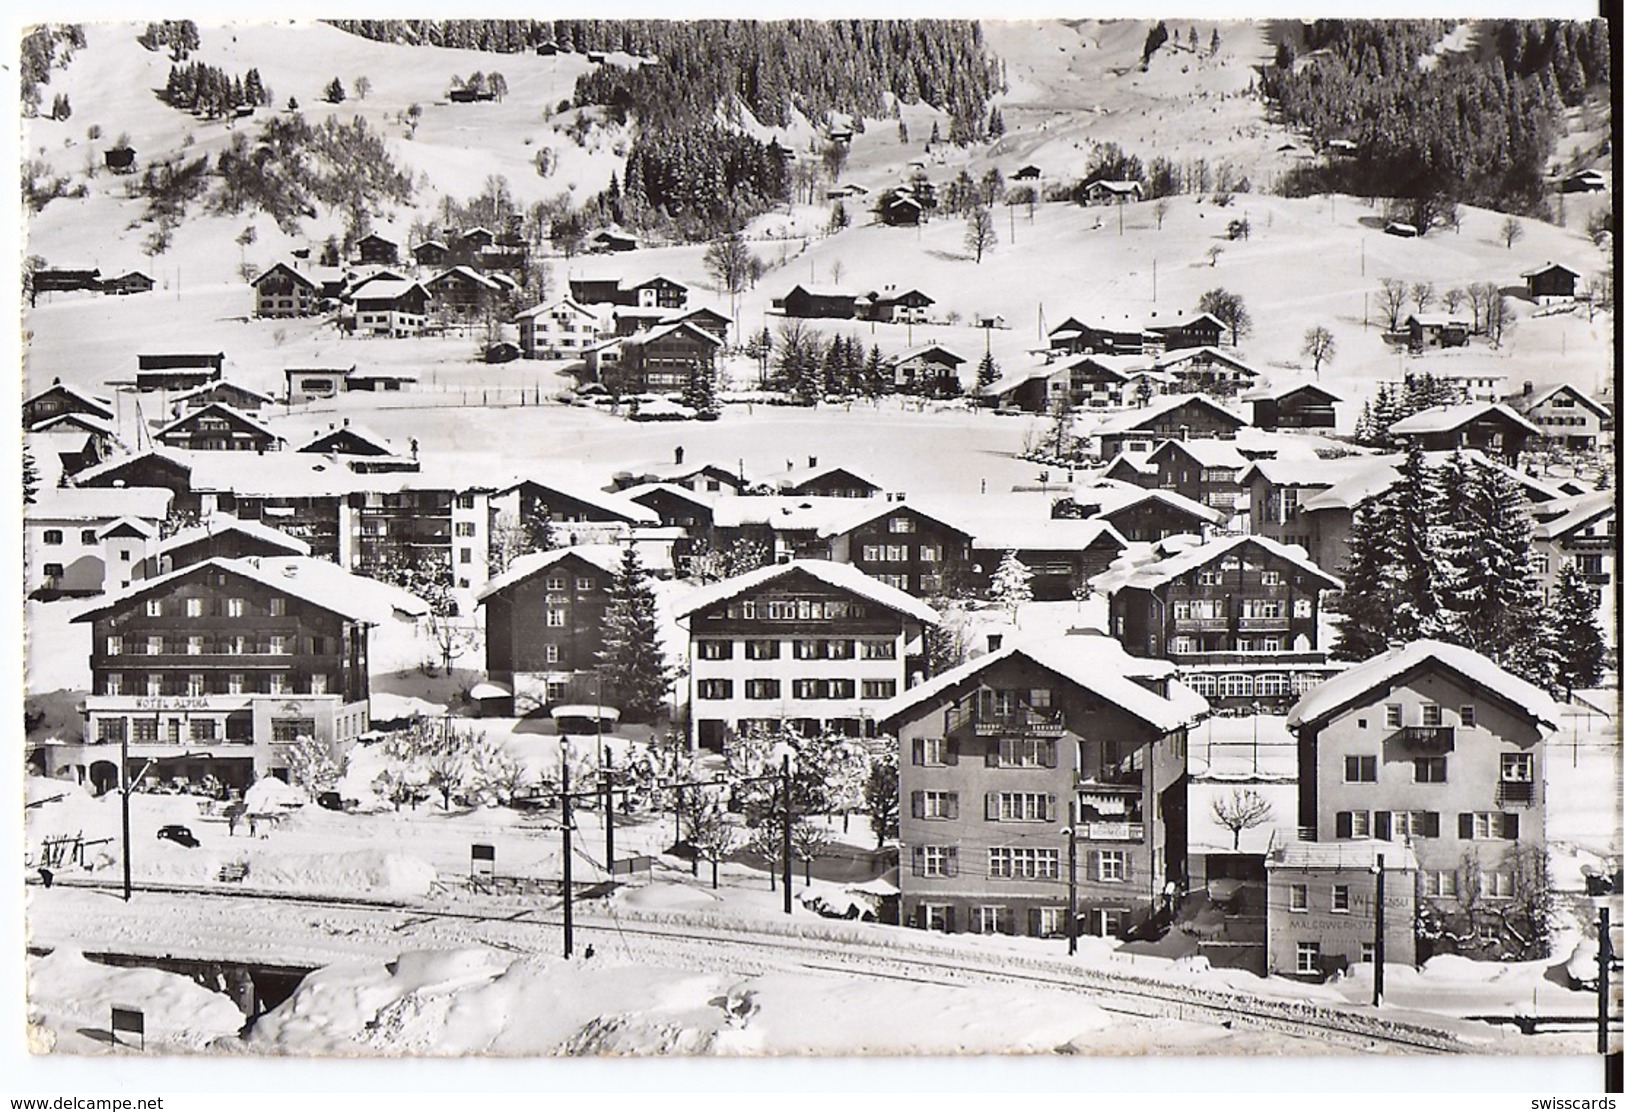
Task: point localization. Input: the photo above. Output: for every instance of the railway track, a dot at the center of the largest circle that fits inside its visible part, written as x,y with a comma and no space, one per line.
836,947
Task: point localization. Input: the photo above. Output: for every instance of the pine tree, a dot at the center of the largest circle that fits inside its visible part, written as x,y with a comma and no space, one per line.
1574,634
1366,602
634,665
987,371
1413,500
874,373
1012,584
538,531
31,477
1505,623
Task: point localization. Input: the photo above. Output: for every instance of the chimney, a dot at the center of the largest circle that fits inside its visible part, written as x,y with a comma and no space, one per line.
1528,387
995,642
812,461
346,422
677,454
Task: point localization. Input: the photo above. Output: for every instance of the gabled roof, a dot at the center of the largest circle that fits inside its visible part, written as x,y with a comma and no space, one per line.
1180,320
217,409
925,349
1315,472
1526,402
127,527
219,384
217,524
1006,533
168,455
661,331
1549,266
615,505
1118,498
1011,380
1116,186
98,504
1275,391
1447,418
366,436
639,491
465,273
1206,452
841,576
1377,473
1207,353
95,402
1157,572
297,275
654,280
318,582
605,557
824,291
430,243
1097,664
1120,367
61,424
1347,688
787,480
1561,516
1130,420
562,303
386,289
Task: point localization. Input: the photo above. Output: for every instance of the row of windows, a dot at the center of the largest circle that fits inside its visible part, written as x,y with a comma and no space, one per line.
211,683
1215,577
799,689
1516,768
197,644
140,730
54,536
560,582
712,648
795,609
997,806
1432,715
1470,825
199,607
898,553
1233,685
1020,863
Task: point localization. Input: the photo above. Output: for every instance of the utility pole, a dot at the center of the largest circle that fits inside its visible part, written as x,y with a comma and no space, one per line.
1604,954
1377,955
565,824
1072,879
606,784
124,804
788,818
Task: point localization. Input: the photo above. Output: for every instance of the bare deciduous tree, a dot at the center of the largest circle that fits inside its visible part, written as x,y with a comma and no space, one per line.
1242,809
1391,298
1422,293
1319,345
1511,231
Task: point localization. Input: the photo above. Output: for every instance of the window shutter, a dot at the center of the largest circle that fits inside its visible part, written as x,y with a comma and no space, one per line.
1384,825
953,863
1094,864
951,751
919,865
1049,808
1464,826
990,803
1128,865
1035,922
919,751
1509,826
993,755
917,804
1345,824
1430,824
1009,922
1046,754
948,920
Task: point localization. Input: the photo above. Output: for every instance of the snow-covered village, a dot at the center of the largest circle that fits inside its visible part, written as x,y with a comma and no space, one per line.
630,538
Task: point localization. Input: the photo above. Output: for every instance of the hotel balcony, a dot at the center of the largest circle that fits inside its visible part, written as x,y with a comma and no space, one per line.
1440,738
1195,624
1021,721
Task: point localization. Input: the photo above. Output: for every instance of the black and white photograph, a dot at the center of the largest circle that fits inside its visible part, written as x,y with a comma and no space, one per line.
917,537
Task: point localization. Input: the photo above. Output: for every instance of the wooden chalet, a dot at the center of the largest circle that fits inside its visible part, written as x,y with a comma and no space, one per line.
1293,405
901,209
1103,192
1564,414
55,280
234,394
391,308
1175,417
132,281
664,359
608,240
431,252
1435,331
1202,330
818,303
60,399
178,370
1089,337
284,291
1206,370
929,369
461,292
1490,427
374,249
1551,281
120,160
217,427
889,305
348,440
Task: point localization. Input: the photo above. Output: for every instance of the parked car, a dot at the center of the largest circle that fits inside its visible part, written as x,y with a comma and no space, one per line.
178,834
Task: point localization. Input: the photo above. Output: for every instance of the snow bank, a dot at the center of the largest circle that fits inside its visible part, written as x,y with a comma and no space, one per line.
373,872
70,1000
475,1001
268,795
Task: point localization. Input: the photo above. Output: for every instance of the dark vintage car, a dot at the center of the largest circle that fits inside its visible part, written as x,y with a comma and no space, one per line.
178,834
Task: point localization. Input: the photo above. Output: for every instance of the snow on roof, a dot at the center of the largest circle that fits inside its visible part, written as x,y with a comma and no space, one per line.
171,455
218,384
1546,266
285,268
1525,402
1137,461
1130,420
823,291
1113,497
1011,380
127,525
1180,320
553,306
1293,854
841,576
225,408
1561,515
661,331
1349,686
1278,390
926,349
1029,534
794,477
606,557
1117,186
217,524
1160,571
1120,365
617,505
1095,663
87,423
94,401
360,432
1378,473
318,582
1206,452
656,278
1446,418
386,289
1436,320
641,490
1312,471
99,503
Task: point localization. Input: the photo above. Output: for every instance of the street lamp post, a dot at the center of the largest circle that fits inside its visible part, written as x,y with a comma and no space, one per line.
1071,833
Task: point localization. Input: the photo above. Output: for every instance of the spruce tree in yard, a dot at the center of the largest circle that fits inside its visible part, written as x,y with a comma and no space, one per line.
1505,623
1413,500
987,372
1366,604
1012,584
1573,633
634,665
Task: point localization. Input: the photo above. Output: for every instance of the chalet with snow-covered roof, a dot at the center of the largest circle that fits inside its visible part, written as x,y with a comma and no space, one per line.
818,303
544,627
628,320
220,668
374,250
1216,608
1487,426
1581,531
1564,414
235,394
60,399
1206,370
713,322
59,280
1293,405
711,479
1105,382
217,427
901,307
930,369
431,252
562,330
1174,417
1103,192
178,370
461,293
609,240
833,481
1586,181
1002,754
283,291
1199,330
310,384
1062,554
1277,488
131,281
1142,515
1550,282
1400,229
1205,471
156,468
1434,745
580,514
809,645
1132,469
664,359
348,440
1027,173
79,541
1074,336
391,308
900,208
219,536
1434,330
67,445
